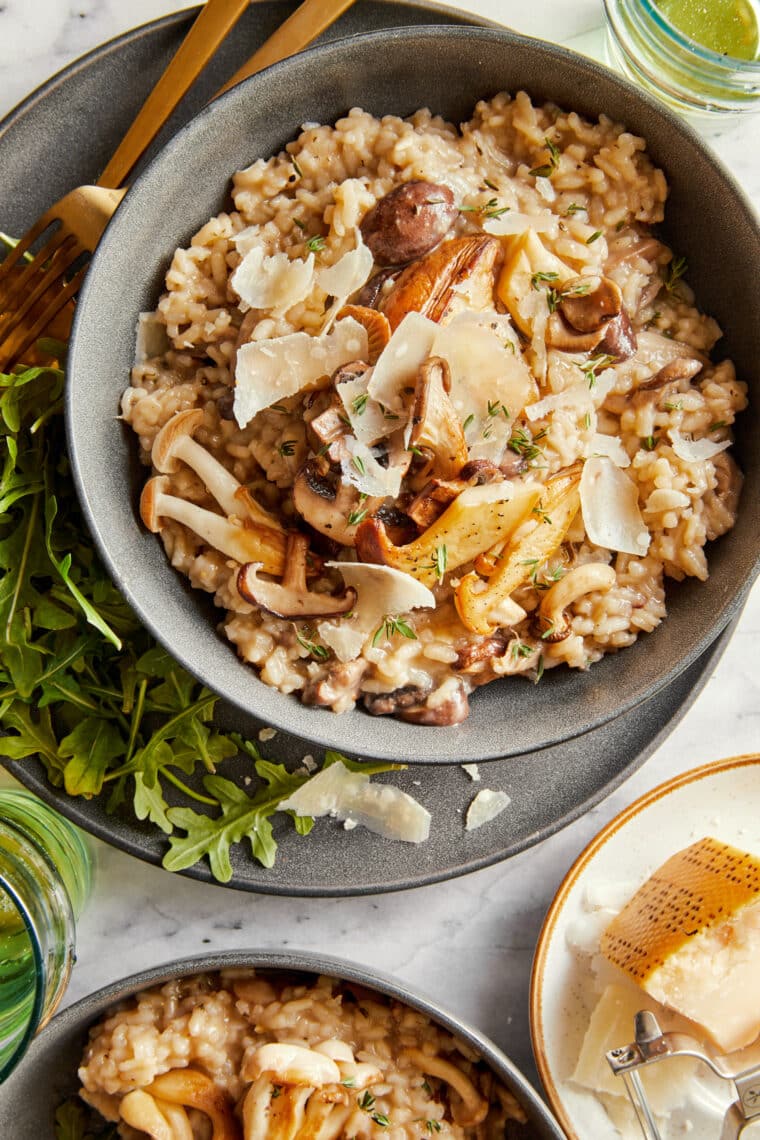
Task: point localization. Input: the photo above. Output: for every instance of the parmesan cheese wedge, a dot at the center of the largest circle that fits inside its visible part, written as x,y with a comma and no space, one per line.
689,937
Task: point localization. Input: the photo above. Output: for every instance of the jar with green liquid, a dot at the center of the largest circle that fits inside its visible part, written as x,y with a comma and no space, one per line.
700,56
45,878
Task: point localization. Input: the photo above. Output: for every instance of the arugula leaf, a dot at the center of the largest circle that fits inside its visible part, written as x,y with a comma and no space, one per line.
90,749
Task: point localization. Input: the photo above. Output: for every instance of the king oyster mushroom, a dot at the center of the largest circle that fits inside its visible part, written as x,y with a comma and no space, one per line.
291,598
328,505
436,427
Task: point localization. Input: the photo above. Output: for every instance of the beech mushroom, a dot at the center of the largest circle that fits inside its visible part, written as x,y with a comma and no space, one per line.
244,542
436,427
329,505
552,623
473,1108
477,519
174,444
292,1064
291,598
479,604
194,1089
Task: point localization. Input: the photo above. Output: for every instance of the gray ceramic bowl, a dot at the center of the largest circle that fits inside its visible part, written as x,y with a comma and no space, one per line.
47,1075
447,69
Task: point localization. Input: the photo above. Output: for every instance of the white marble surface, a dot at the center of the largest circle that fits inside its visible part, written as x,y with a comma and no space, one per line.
469,943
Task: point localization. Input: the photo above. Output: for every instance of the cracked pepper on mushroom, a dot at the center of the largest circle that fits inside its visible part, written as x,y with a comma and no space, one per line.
432,406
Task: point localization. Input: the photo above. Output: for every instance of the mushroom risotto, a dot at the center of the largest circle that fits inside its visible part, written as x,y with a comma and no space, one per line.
429,407
237,1056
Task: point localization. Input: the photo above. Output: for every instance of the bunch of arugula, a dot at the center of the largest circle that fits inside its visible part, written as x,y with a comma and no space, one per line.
84,687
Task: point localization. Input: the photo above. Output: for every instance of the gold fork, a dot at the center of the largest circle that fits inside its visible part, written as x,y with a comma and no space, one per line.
31,297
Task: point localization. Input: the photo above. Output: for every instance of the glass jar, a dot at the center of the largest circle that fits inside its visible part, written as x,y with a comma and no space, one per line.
45,879
692,79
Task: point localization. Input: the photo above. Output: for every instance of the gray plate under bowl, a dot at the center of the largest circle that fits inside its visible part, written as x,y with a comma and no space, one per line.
47,1075
398,70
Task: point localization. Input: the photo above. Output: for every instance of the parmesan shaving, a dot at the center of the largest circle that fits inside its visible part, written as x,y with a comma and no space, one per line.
515,223
362,470
696,450
382,590
609,504
368,421
576,397
271,370
609,446
350,796
486,805
275,283
396,367
348,274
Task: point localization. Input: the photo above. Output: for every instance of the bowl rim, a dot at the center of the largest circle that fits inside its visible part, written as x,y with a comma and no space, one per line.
285,711
87,1009
565,888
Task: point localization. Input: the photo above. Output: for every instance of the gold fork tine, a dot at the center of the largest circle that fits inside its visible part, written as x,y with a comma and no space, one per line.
65,256
25,337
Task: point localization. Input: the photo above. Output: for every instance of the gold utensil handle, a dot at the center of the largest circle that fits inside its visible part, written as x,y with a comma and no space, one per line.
304,25
213,23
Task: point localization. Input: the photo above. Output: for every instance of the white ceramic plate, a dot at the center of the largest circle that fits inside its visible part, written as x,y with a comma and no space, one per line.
721,800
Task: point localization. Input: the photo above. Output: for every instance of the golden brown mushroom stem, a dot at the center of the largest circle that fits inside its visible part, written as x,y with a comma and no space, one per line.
141,1111
291,598
474,1107
193,1089
435,425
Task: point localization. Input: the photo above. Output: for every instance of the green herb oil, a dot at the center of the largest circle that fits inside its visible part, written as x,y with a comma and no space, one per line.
728,27
17,977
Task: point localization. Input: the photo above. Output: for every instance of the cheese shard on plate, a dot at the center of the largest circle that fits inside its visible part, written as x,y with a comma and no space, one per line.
690,936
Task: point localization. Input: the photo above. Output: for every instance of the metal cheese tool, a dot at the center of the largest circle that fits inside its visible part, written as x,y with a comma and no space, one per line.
651,1045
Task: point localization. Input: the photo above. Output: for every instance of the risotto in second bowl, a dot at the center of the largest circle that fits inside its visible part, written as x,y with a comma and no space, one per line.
259,1058
430,406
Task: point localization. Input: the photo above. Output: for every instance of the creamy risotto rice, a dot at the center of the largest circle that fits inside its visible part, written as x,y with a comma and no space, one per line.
236,1056
428,407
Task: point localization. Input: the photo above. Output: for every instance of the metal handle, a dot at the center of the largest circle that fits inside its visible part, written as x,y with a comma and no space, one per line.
210,27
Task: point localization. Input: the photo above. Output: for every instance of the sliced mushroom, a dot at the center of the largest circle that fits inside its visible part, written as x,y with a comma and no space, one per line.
588,303
341,682
377,288
272,1111
560,335
471,524
457,275
723,502
475,653
479,604
291,598
194,1089
174,444
453,710
430,503
409,222
436,427
682,368
397,701
326,430
473,1108
327,504
243,542
619,340
552,624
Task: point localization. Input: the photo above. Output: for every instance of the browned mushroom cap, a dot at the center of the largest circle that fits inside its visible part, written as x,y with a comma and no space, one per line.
435,425
682,368
291,598
328,504
454,710
560,335
619,340
587,303
409,221
243,543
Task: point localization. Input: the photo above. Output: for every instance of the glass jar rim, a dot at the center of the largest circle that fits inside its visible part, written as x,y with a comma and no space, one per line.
680,39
